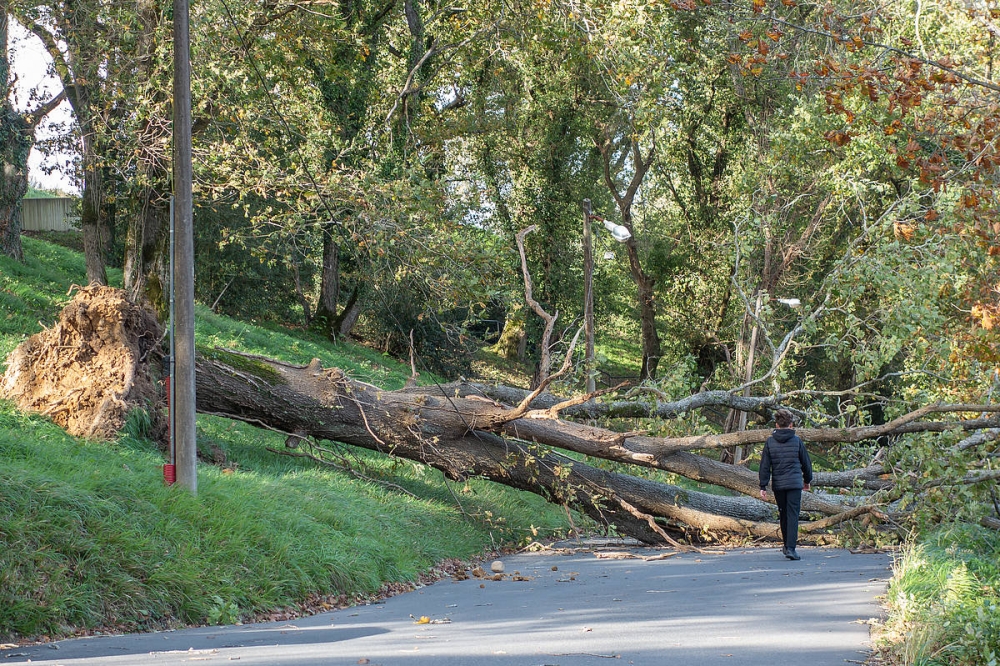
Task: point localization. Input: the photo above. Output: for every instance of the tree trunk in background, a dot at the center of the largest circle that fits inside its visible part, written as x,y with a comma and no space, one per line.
348,317
147,242
329,289
647,319
14,147
95,236
15,144
644,284
147,251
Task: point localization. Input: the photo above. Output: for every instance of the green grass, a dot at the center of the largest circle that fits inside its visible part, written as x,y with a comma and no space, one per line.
36,193
295,346
617,355
944,600
91,537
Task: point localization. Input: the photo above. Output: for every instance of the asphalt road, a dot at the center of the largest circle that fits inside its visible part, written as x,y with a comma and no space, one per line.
748,607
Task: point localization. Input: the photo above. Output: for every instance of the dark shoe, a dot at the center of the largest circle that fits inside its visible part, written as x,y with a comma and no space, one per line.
792,555
784,550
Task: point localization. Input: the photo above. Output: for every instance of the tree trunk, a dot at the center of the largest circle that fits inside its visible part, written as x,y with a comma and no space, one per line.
147,256
459,436
14,147
329,286
644,283
647,319
15,144
94,235
455,430
348,317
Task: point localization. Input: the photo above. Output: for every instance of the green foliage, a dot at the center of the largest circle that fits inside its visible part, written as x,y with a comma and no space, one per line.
222,612
36,193
245,275
944,599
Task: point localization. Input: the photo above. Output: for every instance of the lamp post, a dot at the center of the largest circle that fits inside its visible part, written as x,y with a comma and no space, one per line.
620,234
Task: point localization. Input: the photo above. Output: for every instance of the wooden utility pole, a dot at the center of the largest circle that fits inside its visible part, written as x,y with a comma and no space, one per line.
588,298
184,390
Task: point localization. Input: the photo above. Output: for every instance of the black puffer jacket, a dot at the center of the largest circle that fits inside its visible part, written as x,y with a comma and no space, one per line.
786,459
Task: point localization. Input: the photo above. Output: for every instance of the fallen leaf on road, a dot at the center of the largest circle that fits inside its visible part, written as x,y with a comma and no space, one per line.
423,619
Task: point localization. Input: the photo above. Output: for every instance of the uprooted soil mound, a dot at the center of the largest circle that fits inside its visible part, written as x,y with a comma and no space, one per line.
91,368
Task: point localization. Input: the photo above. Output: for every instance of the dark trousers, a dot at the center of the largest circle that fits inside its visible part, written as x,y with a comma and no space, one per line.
789,502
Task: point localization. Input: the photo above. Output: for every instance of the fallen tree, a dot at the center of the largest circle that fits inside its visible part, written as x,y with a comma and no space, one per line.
465,430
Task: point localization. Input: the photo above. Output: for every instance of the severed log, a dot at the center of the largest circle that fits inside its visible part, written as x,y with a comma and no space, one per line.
452,434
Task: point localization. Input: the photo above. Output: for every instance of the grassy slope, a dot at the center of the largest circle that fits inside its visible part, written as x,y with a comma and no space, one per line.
90,536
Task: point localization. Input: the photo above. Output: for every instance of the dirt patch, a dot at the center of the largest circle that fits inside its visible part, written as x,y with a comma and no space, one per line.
91,368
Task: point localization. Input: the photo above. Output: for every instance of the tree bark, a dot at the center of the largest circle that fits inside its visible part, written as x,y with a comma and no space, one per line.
15,144
94,233
147,252
453,428
329,286
78,65
647,313
17,135
348,317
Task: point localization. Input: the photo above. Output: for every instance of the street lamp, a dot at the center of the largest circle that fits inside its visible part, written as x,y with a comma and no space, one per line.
620,234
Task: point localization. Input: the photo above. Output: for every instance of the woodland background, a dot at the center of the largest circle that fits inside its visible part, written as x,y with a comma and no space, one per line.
363,168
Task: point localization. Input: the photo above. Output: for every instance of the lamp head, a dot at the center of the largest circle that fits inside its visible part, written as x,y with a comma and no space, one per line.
618,232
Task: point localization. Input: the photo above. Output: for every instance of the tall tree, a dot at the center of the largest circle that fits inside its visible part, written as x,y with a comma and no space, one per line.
17,131
73,35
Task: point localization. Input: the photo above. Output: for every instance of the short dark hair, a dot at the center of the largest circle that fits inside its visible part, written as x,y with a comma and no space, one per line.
784,418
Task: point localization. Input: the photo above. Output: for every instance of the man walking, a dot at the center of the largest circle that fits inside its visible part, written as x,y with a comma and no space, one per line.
785,463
